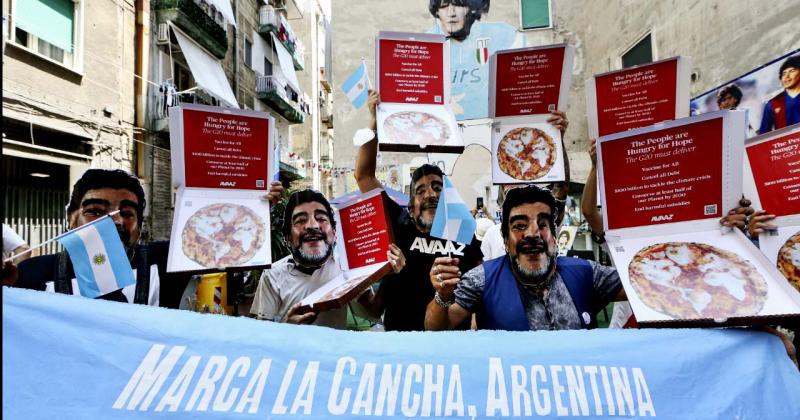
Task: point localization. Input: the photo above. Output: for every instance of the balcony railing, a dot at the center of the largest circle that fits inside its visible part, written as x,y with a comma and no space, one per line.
193,20
272,91
270,21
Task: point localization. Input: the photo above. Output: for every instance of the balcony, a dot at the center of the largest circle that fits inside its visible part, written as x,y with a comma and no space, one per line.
326,115
272,22
191,18
272,91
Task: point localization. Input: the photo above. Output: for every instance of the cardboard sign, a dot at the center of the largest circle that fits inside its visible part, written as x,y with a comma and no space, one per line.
528,81
638,96
363,236
663,190
566,237
222,162
413,80
412,70
700,275
526,149
782,249
774,163
664,175
223,149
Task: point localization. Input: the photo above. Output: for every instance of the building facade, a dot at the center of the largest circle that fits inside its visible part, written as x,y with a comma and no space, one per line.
68,104
724,38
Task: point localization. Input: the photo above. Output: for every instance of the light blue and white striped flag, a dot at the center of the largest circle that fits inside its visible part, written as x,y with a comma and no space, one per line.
453,220
98,258
276,164
356,87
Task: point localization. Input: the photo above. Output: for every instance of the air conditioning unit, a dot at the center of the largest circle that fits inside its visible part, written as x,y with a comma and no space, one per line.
163,34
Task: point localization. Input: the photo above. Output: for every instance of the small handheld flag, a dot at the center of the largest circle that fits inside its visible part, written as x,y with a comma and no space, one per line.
276,165
98,258
356,87
453,220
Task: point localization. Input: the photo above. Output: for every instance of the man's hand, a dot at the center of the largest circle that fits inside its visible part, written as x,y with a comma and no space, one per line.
292,317
372,104
396,258
444,276
559,120
759,223
738,217
274,194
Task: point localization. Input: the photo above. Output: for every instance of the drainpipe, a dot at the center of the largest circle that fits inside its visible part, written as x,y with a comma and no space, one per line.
235,54
139,85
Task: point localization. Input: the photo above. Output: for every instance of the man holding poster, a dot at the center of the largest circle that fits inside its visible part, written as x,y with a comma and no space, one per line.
310,228
406,295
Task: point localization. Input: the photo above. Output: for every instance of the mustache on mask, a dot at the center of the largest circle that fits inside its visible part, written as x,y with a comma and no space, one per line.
430,203
311,235
530,245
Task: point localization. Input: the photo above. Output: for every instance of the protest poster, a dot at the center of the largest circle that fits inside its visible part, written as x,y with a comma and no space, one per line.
363,235
772,183
526,149
663,190
528,81
638,96
566,237
152,362
222,161
750,92
412,78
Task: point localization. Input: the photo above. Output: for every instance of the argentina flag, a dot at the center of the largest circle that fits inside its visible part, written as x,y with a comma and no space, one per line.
98,258
453,220
356,87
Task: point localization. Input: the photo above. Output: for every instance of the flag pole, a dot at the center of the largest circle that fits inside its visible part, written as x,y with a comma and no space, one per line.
366,73
11,258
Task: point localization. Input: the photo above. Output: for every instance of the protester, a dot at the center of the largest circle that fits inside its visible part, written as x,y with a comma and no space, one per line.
13,245
529,288
310,229
97,193
784,109
403,297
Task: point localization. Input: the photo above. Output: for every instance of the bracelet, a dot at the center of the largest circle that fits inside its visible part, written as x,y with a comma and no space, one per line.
441,302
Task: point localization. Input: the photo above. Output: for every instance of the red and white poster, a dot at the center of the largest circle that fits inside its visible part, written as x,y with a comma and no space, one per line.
363,236
412,70
663,175
221,164
774,162
365,231
528,81
664,189
413,80
638,96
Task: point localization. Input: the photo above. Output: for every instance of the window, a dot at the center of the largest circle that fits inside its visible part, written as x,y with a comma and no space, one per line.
640,53
267,67
248,53
48,28
535,14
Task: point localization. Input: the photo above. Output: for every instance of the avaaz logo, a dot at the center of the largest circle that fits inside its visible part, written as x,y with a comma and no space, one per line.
412,99
661,218
227,184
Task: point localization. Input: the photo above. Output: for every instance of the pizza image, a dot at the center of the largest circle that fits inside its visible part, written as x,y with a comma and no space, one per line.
690,280
789,260
223,235
412,127
526,153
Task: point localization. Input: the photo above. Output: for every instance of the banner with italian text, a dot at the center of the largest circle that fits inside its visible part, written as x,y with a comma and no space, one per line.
85,359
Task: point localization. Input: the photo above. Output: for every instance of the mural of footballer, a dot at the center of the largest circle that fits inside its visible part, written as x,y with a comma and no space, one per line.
472,42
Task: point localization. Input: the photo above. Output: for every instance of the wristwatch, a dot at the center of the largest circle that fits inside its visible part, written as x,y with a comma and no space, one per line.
441,302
